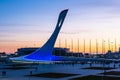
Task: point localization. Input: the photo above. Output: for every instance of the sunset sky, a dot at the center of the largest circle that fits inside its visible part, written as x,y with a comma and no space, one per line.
29,23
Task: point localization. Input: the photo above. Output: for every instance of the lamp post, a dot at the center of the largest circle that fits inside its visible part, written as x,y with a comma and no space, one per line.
90,47
78,47
72,45
102,46
65,45
60,53
112,46
115,44
96,47
78,44
84,48
108,44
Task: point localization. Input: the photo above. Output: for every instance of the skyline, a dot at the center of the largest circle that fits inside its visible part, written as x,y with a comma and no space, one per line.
30,23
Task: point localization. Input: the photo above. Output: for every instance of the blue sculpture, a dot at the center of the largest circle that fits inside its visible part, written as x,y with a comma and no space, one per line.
45,52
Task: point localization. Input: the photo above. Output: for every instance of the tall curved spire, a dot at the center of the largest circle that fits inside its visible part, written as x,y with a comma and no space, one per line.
45,52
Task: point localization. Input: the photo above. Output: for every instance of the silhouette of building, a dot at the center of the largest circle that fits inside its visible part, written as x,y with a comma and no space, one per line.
56,51
3,56
113,55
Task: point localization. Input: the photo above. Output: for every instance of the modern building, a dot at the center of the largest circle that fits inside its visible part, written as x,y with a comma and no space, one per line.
56,51
3,56
113,55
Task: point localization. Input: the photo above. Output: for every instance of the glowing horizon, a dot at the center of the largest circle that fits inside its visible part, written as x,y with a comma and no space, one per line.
66,44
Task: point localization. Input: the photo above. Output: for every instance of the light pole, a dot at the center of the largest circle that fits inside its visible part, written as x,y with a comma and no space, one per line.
65,45
59,47
108,44
112,46
84,48
90,47
72,45
115,44
102,46
96,47
78,45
